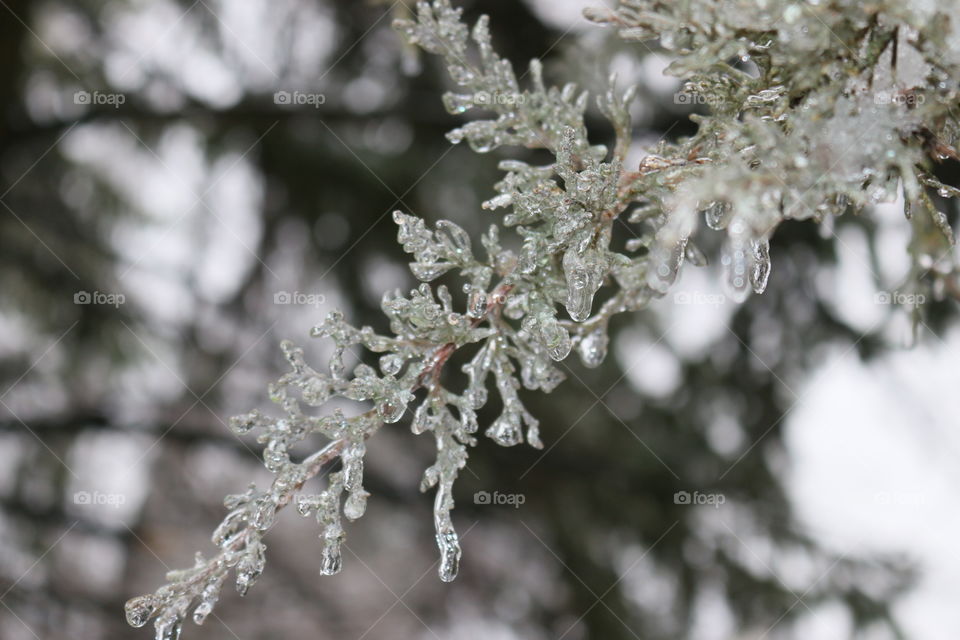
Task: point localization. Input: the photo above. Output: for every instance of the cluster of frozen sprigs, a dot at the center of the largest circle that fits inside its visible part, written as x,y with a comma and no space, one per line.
767,134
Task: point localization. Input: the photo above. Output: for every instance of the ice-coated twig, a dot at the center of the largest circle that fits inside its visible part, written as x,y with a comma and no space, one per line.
778,143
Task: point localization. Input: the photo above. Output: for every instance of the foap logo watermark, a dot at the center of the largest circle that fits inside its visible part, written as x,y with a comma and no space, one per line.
487,98
85,498
299,99
692,98
496,498
299,298
899,298
699,298
697,498
493,298
99,297
906,98
99,98
900,498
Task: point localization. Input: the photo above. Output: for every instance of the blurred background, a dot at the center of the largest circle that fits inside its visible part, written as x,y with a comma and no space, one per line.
184,184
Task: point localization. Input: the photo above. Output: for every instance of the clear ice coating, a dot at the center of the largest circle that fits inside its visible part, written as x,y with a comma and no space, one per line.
760,270
421,419
168,626
356,504
390,364
208,599
592,347
477,304
449,545
562,213
555,338
140,609
202,611
250,566
506,430
331,560
391,409
584,273
538,372
447,540
717,215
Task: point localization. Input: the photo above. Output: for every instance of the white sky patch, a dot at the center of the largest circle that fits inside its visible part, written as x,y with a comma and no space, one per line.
202,226
892,239
712,618
650,366
565,14
153,379
654,65
161,181
112,476
874,450
91,563
851,288
233,227
163,43
696,311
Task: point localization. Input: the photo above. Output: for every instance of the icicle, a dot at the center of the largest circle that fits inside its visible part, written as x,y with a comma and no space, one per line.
505,430
482,136
421,419
760,270
140,609
537,372
168,626
230,527
447,540
331,560
584,275
250,567
468,419
202,611
390,409
449,545
477,395
208,598
533,431
390,364
717,215
355,505
264,514
477,304
352,460
454,239
275,455
428,271
593,347
430,478
458,102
